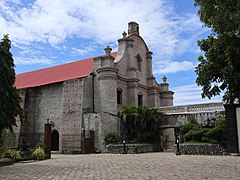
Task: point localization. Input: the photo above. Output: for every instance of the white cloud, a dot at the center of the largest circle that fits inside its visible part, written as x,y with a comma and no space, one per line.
173,67
84,50
31,61
79,51
53,22
191,94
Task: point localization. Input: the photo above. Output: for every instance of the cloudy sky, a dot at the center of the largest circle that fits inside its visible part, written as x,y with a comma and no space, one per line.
46,33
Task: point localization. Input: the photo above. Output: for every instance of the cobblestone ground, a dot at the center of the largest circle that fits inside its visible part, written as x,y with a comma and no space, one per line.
126,166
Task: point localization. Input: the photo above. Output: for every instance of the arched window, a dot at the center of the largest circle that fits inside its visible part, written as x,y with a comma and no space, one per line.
139,63
119,96
140,99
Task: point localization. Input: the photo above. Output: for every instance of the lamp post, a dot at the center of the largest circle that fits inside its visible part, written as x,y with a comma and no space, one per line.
178,149
124,147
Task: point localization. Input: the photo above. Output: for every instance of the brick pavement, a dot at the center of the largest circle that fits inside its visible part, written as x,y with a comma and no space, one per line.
126,166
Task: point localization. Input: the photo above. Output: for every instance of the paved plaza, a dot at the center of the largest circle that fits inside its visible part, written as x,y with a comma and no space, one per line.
126,166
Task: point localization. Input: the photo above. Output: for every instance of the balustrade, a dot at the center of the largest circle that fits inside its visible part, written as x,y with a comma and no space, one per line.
208,107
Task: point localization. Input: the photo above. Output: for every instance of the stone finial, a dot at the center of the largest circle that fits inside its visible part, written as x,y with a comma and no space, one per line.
108,50
133,28
164,79
124,34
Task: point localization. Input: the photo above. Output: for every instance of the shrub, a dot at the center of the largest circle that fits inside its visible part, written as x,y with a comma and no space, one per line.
218,133
41,145
188,136
3,151
39,153
15,154
221,122
187,127
199,134
112,138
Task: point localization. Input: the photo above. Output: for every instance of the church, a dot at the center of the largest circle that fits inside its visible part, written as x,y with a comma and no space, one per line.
81,99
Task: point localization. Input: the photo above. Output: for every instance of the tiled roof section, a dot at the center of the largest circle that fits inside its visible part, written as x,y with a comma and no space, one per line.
73,70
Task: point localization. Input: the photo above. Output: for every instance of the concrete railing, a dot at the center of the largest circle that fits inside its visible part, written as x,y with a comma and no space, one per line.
193,108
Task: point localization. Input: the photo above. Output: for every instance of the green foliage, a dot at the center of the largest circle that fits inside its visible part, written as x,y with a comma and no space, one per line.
140,123
164,137
24,146
87,110
41,145
38,153
8,139
221,122
218,133
112,138
191,132
128,116
190,125
10,100
3,151
196,135
15,154
218,69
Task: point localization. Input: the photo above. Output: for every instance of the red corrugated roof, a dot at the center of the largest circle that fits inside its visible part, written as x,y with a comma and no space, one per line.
73,70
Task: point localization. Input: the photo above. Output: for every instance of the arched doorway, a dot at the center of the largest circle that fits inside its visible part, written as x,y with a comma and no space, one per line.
55,140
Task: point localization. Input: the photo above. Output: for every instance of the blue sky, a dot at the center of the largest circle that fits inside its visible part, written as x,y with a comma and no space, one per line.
46,33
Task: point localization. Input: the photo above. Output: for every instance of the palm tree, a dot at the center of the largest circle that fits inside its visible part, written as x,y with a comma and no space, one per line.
140,123
128,116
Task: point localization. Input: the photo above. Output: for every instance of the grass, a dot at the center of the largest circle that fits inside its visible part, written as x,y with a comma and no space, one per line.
56,152
130,144
197,142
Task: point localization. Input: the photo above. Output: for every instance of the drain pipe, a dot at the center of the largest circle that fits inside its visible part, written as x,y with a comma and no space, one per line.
93,91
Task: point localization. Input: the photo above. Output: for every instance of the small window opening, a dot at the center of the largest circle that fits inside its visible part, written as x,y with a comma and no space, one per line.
140,99
119,96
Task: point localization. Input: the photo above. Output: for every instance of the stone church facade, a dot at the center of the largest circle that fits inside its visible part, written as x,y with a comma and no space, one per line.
84,96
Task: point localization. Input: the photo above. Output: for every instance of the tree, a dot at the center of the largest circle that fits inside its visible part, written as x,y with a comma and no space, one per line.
149,124
128,116
140,124
9,97
219,67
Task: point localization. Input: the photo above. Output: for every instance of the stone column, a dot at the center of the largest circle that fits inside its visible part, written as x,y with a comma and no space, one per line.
149,64
106,88
166,96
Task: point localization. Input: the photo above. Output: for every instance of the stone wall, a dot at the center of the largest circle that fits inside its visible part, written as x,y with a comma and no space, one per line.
102,124
130,149
88,94
48,106
201,149
72,115
41,103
